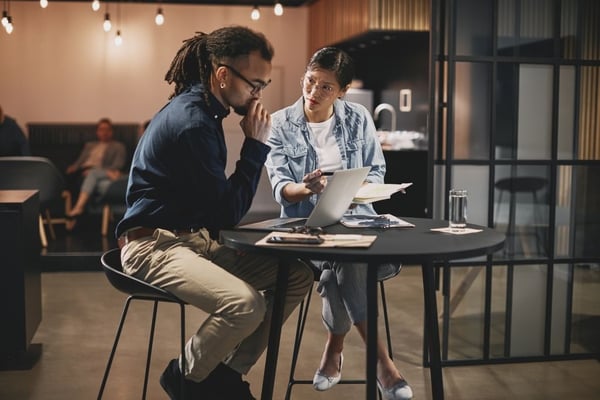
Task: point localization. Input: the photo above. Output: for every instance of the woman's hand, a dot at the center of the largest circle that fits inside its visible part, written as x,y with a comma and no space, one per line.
312,183
315,181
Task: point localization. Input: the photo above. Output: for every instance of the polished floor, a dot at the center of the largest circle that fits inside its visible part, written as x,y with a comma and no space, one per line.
81,312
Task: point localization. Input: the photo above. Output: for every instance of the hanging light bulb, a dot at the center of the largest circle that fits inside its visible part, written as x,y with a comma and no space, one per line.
9,26
160,18
43,3
255,14
118,39
107,25
95,5
4,18
278,9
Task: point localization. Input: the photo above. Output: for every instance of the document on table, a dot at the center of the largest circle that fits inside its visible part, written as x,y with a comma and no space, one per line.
372,192
374,221
329,240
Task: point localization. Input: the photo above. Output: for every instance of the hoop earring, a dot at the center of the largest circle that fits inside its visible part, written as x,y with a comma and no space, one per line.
222,85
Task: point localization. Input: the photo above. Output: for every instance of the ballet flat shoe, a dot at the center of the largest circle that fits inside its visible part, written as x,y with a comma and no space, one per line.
398,391
322,382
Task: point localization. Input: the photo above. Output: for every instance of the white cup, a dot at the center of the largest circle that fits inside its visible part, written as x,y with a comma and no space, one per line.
458,209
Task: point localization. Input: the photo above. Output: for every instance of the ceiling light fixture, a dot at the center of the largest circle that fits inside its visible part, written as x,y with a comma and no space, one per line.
95,5
107,25
6,18
255,14
278,9
160,18
118,39
9,26
43,3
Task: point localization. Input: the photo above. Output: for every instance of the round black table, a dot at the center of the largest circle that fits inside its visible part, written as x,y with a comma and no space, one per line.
417,245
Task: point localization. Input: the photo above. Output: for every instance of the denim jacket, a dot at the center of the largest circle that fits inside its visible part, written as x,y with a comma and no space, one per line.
293,153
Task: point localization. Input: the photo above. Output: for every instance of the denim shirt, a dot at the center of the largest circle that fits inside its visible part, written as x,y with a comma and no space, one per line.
293,154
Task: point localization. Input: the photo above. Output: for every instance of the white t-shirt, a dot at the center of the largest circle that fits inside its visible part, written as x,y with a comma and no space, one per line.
328,152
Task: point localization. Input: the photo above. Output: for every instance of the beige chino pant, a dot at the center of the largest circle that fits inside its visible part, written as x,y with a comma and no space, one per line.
233,288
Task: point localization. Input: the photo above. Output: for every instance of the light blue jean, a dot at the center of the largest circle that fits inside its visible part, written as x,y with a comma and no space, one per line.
343,289
96,180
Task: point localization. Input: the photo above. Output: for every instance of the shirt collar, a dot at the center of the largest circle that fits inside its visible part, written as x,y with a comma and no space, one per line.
214,106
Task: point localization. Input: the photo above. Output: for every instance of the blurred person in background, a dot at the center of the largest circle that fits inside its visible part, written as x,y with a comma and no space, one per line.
13,141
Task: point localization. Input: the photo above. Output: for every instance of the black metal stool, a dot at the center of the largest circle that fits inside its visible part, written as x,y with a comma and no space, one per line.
302,314
514,185
137,290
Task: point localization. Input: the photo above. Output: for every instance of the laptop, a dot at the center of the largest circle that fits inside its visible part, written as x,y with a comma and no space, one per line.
331,206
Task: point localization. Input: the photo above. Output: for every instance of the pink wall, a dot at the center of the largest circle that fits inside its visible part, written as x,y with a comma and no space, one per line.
59,65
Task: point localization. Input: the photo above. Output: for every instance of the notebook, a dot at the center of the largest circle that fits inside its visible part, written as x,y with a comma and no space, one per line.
330,207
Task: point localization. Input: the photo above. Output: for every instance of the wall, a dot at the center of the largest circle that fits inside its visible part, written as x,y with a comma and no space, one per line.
58,65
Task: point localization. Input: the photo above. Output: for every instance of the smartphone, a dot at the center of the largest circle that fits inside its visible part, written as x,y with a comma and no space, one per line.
295,240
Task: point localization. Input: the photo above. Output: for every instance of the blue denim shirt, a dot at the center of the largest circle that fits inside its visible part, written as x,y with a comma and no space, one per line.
293,152
177,178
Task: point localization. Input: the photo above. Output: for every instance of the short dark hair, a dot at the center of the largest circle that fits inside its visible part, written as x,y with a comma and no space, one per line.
334,60
105,121
194,61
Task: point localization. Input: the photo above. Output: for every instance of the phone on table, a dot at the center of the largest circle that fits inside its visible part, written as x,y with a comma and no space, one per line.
295,240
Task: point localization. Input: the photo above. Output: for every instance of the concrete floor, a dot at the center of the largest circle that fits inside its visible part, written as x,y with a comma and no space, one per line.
81,312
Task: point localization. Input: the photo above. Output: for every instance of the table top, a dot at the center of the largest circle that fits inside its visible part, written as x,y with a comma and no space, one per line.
408,245
15,196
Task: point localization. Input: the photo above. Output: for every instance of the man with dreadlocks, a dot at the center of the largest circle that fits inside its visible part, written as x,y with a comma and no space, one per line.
178,198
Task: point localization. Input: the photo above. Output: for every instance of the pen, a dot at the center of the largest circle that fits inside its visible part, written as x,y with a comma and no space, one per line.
326,173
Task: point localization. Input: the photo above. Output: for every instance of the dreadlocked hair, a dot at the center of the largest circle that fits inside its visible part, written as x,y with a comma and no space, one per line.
187,67
194,61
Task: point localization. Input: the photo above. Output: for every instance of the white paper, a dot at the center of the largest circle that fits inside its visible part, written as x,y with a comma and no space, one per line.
372,192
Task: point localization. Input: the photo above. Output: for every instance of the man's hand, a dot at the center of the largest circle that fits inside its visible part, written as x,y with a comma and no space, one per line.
256,124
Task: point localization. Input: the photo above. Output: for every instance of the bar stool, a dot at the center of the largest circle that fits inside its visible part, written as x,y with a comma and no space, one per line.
302,314
136,289
514,185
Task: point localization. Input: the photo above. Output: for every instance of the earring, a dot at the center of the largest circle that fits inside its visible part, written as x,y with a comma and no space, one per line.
222,85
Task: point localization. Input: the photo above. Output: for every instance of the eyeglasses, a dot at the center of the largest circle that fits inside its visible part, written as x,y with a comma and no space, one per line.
256,87
307,230
310,84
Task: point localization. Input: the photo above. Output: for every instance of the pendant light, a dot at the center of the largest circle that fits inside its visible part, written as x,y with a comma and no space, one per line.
255,14
160,18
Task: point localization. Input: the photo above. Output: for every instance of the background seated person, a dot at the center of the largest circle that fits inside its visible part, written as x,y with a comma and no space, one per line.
12,139
98,162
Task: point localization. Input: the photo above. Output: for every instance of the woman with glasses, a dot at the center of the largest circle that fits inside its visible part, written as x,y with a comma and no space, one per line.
321,133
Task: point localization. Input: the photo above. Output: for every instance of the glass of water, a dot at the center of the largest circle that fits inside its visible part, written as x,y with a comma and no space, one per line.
458,209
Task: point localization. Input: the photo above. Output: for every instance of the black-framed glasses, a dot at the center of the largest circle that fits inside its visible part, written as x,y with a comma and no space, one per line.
256,87
308,230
